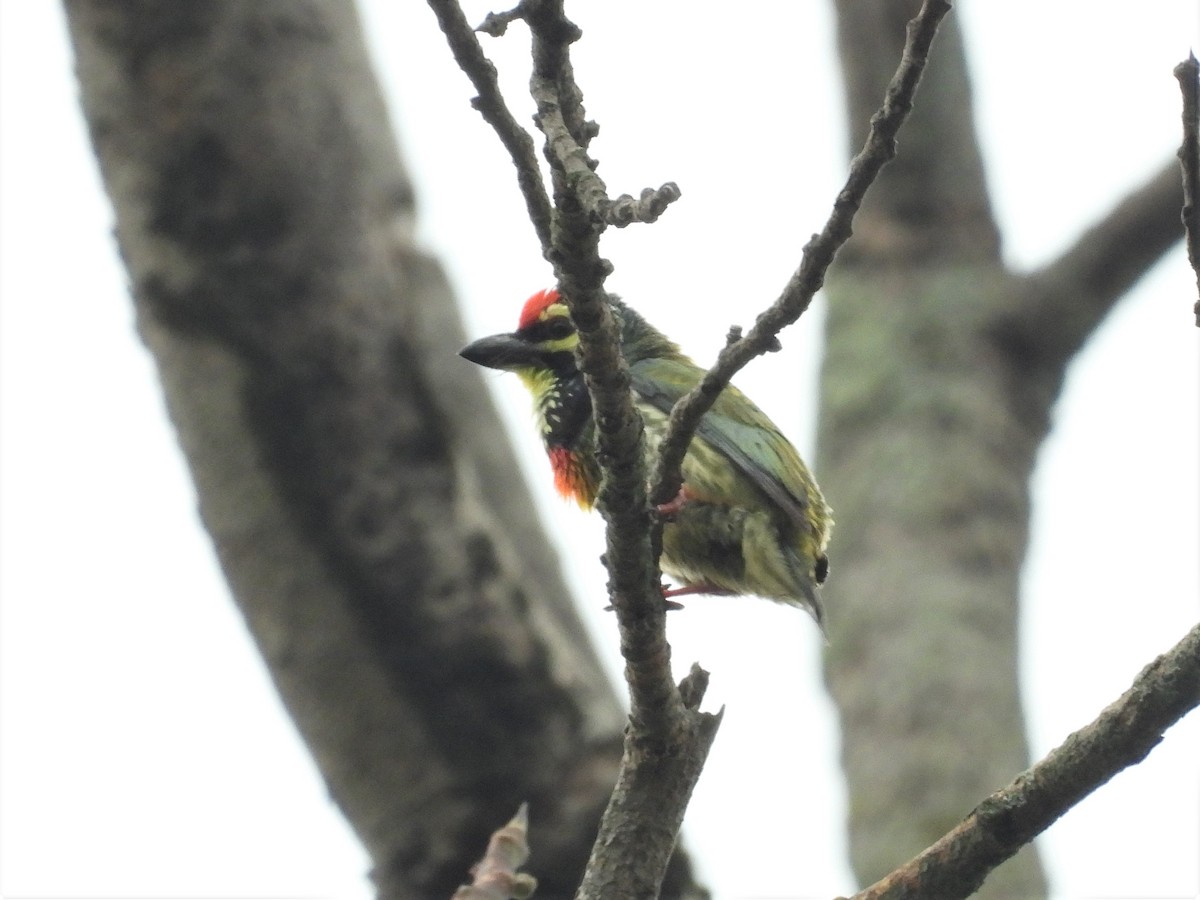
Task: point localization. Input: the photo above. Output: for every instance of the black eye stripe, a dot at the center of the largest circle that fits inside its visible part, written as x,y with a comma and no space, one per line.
554,329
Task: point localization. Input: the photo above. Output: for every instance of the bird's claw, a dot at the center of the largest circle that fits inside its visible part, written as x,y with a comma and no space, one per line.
668,605
669,510
702,588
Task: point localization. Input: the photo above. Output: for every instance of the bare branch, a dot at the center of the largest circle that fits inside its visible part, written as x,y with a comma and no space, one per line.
571,163
1188,73
1122,736
1060,305
647,208
568,157
638,830
495,877
490,104
553,35
656,707
880,147
667,743
578,223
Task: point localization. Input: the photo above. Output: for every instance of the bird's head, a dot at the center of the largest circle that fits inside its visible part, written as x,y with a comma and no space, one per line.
542,346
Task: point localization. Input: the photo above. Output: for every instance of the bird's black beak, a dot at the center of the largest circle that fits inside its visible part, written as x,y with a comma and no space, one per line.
499,351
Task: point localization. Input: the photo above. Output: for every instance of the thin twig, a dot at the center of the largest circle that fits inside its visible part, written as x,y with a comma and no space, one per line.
490,103
1188,74
1122,736
647,208
880,148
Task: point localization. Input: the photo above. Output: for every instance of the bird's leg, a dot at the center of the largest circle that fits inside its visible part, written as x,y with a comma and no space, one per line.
667,512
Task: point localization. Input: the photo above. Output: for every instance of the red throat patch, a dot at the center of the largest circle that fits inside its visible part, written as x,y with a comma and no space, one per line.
536,305
570,478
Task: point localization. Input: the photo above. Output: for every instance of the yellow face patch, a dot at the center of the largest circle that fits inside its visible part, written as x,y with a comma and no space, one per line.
538,381
541,385
549,314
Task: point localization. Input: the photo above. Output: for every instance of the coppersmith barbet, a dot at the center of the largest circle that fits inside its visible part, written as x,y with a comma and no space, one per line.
750,518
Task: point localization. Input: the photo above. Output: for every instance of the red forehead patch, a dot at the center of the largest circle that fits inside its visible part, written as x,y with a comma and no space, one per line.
535,305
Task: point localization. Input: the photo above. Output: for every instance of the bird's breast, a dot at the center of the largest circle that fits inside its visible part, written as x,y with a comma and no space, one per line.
564,411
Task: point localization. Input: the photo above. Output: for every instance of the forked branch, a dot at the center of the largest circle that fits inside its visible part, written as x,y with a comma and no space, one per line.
668,739
490,104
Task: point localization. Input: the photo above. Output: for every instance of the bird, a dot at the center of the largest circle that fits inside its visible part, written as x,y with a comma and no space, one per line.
749,518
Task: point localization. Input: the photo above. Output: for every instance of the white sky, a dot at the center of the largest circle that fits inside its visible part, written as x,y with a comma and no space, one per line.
143,752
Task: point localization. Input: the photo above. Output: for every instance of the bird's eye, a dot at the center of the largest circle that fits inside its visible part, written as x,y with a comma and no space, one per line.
559,328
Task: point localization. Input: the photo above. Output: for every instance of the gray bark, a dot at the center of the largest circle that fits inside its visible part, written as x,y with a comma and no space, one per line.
392,572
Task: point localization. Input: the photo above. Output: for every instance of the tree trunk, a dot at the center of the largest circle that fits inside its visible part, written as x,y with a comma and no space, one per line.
927,463
415,623
941,368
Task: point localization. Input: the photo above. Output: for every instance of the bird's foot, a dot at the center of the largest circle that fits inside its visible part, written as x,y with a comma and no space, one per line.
668,605
669,510
682,591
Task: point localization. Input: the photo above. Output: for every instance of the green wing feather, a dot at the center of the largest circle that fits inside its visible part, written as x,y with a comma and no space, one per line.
736,428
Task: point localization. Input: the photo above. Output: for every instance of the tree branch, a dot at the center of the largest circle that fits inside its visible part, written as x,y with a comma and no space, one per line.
1061,304
1122,736
668,740
580,271
638,830
880,147
647,208
1188,74
490,103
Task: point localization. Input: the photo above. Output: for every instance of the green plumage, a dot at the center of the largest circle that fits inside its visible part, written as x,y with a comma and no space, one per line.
753,520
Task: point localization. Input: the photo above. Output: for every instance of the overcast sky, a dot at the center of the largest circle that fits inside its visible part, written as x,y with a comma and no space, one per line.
144,752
